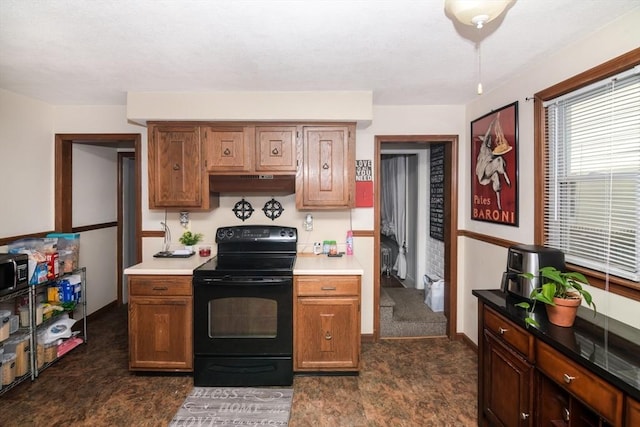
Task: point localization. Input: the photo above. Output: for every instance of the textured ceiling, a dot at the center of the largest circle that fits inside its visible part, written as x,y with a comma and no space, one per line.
406,52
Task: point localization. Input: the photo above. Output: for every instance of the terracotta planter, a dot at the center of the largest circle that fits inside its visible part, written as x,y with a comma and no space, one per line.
564,312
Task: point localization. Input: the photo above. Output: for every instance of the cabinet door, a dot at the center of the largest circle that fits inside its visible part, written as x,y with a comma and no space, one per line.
228,149
507,385
175,177
160,333
632,413
328,168
327,334
276,149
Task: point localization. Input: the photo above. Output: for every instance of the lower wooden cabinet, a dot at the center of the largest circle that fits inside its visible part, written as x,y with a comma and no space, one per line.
525,381
604,399
160,323
508,385
326,323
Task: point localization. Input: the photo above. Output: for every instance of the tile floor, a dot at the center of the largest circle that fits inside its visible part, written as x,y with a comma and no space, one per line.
403,383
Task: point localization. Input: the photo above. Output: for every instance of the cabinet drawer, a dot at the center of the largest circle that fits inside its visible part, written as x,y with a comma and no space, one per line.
160,285
509,332
327,285
601,396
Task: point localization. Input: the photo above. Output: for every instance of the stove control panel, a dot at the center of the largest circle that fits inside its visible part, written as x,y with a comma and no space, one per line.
254,233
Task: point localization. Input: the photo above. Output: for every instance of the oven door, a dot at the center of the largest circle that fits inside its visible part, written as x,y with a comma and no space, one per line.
243,316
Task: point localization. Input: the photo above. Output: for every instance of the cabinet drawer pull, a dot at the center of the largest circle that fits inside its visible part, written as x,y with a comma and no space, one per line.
566,415
226,152
325,166
275,152
176,167
160,288
568,378
502,331
328,288
524,416
327,335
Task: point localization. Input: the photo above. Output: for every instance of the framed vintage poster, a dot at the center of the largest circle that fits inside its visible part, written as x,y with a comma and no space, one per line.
494,166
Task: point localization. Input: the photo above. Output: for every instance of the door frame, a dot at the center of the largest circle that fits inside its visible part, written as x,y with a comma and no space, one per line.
64,188
451,224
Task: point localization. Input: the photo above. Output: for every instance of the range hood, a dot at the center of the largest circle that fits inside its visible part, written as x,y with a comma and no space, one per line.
252,184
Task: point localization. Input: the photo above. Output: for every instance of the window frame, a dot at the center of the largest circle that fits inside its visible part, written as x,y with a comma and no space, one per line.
617,285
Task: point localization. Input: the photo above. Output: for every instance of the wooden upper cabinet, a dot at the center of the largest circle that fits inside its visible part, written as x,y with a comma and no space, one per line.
327,180
276,149
228,148
175,173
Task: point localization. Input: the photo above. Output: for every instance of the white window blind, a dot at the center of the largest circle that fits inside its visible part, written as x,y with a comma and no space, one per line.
593,175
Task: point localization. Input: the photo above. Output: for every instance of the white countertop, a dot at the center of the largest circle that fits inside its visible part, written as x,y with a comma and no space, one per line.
322,264
305,265
168,266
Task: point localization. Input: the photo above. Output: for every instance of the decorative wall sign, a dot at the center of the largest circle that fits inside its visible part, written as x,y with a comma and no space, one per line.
273,209
364,184
436,192
494,169
243,209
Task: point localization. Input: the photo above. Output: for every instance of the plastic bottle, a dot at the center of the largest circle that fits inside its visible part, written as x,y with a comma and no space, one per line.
349,242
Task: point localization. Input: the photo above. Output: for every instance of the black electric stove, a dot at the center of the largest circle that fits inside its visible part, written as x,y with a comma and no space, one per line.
243,308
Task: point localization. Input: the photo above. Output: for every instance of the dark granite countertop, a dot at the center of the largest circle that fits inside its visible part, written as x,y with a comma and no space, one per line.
605,346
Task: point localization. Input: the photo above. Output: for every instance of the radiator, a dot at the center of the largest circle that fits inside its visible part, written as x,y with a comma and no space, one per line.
385,260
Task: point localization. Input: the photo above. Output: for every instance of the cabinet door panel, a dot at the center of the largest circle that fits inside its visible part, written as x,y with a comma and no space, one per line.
227,149
175,178
326,334
160,331
276,149
328,178
507,386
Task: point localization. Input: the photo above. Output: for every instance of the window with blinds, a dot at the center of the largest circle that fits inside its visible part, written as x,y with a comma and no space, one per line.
592,210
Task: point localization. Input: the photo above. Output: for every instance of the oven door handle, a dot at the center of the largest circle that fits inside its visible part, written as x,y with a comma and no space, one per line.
230,281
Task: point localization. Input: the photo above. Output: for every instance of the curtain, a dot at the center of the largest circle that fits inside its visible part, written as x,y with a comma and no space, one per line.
393,210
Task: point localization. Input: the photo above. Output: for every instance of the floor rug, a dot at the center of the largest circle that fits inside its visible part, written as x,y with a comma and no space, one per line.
235,406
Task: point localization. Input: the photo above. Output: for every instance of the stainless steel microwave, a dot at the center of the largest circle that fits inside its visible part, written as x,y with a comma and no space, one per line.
14,272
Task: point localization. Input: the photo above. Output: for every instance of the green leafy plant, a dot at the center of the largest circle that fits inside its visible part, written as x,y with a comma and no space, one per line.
189,239
555,284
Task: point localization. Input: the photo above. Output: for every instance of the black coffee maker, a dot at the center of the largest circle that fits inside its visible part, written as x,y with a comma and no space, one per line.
528,259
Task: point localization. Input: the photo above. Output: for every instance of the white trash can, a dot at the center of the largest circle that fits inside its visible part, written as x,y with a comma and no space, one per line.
434,293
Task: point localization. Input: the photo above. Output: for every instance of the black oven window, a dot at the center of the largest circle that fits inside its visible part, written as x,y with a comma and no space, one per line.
243,317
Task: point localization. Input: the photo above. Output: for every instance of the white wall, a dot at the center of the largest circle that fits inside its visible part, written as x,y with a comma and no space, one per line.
480,264
26,165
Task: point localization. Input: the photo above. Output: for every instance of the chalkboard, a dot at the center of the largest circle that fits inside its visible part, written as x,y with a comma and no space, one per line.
436,190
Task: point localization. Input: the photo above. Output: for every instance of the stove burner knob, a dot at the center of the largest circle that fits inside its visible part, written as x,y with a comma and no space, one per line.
283,233
290,233
229,233
220,234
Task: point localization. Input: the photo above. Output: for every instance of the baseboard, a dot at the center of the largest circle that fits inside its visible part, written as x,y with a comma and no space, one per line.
465,339
366,338
102,311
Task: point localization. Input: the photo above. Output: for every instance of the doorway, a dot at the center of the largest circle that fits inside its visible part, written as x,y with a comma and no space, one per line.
407,145
126,147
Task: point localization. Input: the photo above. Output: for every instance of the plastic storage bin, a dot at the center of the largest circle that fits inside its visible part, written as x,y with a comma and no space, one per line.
20,346
8,368
5,324
68,250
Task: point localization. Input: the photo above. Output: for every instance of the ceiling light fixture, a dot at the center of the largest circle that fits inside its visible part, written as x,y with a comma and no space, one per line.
476,13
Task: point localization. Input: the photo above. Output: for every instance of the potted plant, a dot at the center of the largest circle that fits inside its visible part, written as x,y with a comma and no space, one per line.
562,292
188,239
